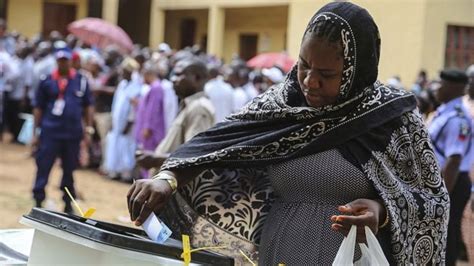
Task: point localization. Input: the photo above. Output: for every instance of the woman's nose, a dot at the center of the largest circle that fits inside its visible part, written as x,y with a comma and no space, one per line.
311,81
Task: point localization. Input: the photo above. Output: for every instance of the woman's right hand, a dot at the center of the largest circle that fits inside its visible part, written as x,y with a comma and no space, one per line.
146,196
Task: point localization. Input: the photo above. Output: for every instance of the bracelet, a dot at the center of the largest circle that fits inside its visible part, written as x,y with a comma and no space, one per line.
386,222
168,178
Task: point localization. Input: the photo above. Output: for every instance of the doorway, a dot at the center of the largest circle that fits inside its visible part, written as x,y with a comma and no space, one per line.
57,17
94,8
188,32
134,19
248,46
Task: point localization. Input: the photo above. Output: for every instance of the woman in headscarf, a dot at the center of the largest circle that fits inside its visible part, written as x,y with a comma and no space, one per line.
329,148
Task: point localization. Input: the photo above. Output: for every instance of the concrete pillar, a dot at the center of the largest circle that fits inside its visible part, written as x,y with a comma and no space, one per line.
110,10
215,31
157,24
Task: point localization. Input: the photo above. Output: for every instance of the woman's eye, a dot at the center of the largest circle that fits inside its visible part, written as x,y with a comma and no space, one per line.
328,76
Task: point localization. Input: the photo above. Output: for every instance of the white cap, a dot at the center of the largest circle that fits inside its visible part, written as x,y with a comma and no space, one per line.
95,59
59,45
394,83
274,74
164,47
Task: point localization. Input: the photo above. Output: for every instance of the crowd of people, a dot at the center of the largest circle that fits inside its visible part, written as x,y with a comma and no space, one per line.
134,100
183,116
131,102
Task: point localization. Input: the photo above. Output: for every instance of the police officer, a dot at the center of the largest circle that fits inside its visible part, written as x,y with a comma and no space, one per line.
451,135
62,102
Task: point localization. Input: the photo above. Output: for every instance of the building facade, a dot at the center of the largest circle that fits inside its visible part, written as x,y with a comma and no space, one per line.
416,34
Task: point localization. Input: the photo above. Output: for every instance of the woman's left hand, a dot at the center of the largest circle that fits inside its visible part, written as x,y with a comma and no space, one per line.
360,212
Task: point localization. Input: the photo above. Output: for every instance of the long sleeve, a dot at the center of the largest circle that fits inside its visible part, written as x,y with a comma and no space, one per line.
155,114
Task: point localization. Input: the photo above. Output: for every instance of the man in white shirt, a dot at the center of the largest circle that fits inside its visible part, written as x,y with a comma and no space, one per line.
42,67
20,85
220,93
120,144
7,42
8,73
237,76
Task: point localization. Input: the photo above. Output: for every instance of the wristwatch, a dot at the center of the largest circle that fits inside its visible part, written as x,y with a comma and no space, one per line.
168,178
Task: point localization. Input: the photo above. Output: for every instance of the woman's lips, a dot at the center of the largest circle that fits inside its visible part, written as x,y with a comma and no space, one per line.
311,95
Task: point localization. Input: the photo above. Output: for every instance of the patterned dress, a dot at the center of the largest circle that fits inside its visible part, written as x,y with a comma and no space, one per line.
309,189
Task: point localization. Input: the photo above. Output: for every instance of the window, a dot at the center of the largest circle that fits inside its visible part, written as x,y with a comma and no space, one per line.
3,9
459,47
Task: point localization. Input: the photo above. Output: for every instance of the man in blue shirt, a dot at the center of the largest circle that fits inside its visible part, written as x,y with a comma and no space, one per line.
63,101
451,135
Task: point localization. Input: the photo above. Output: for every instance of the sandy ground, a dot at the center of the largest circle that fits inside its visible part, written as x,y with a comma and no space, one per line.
17,171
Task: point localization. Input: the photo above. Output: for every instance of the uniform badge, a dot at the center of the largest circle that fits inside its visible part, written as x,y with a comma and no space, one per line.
463,131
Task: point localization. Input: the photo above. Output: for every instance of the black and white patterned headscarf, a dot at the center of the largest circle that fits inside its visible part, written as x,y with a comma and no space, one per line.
375,127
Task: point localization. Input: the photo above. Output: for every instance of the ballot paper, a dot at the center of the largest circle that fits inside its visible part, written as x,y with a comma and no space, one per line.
156,229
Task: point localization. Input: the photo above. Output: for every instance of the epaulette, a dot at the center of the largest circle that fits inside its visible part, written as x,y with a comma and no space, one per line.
459,110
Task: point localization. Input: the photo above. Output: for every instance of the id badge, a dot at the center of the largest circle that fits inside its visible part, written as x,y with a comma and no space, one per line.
58,107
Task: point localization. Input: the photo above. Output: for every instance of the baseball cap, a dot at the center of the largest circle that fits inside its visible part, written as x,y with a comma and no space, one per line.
63,53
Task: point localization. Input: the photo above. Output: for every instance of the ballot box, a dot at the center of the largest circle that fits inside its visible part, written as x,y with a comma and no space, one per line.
62,239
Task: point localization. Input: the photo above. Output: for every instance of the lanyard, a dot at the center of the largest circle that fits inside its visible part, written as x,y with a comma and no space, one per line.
62,84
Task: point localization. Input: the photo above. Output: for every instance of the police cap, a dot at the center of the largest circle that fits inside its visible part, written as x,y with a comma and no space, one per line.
454,75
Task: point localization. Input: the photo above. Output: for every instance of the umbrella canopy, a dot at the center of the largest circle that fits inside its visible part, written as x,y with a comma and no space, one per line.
268,60
98,32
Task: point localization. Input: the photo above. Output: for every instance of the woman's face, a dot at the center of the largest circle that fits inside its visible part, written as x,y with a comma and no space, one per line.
320,67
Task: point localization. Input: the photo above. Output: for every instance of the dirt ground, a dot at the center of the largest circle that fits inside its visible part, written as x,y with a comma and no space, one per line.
17,170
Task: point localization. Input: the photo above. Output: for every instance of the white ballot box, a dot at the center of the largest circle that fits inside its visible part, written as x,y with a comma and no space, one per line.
15,245
61,239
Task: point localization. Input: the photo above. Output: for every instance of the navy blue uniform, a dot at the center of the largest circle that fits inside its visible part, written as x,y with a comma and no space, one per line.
61,134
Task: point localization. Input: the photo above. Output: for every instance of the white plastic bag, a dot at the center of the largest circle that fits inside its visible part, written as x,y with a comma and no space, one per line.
26,132
372,255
